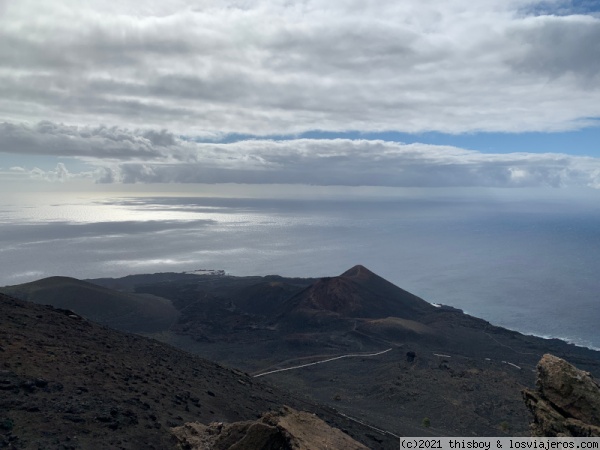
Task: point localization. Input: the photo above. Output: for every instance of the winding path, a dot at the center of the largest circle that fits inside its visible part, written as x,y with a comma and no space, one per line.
352,355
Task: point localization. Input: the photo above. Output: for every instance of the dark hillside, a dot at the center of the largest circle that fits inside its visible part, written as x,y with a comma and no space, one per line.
120,310
66,382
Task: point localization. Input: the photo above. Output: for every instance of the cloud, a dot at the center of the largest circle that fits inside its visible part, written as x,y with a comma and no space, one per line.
60,173
280,67
48,138
149,156
369,163
555,47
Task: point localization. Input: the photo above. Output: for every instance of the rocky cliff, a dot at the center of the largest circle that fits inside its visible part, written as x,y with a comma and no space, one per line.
566,401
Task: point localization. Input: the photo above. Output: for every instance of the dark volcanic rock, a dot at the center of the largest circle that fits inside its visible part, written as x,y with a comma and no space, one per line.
566,401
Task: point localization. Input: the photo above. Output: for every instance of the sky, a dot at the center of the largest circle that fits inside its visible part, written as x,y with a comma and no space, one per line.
411,94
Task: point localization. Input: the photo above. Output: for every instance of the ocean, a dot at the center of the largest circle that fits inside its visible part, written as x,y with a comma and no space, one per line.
526,264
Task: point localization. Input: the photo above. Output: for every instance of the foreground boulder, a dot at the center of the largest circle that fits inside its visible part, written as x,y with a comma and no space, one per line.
566,401
287,429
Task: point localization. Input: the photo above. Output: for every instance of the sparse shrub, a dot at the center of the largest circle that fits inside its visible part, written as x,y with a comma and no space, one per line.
504,426
337,397
426,422
7,424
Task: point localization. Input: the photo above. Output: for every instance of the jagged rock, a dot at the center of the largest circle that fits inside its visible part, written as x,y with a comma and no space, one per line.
566,401
286,430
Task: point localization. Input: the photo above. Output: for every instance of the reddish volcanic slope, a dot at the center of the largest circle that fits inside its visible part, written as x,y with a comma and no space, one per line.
358,292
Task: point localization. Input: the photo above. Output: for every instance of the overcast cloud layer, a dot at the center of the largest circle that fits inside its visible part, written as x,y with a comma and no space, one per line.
120,155
131,90
281,67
